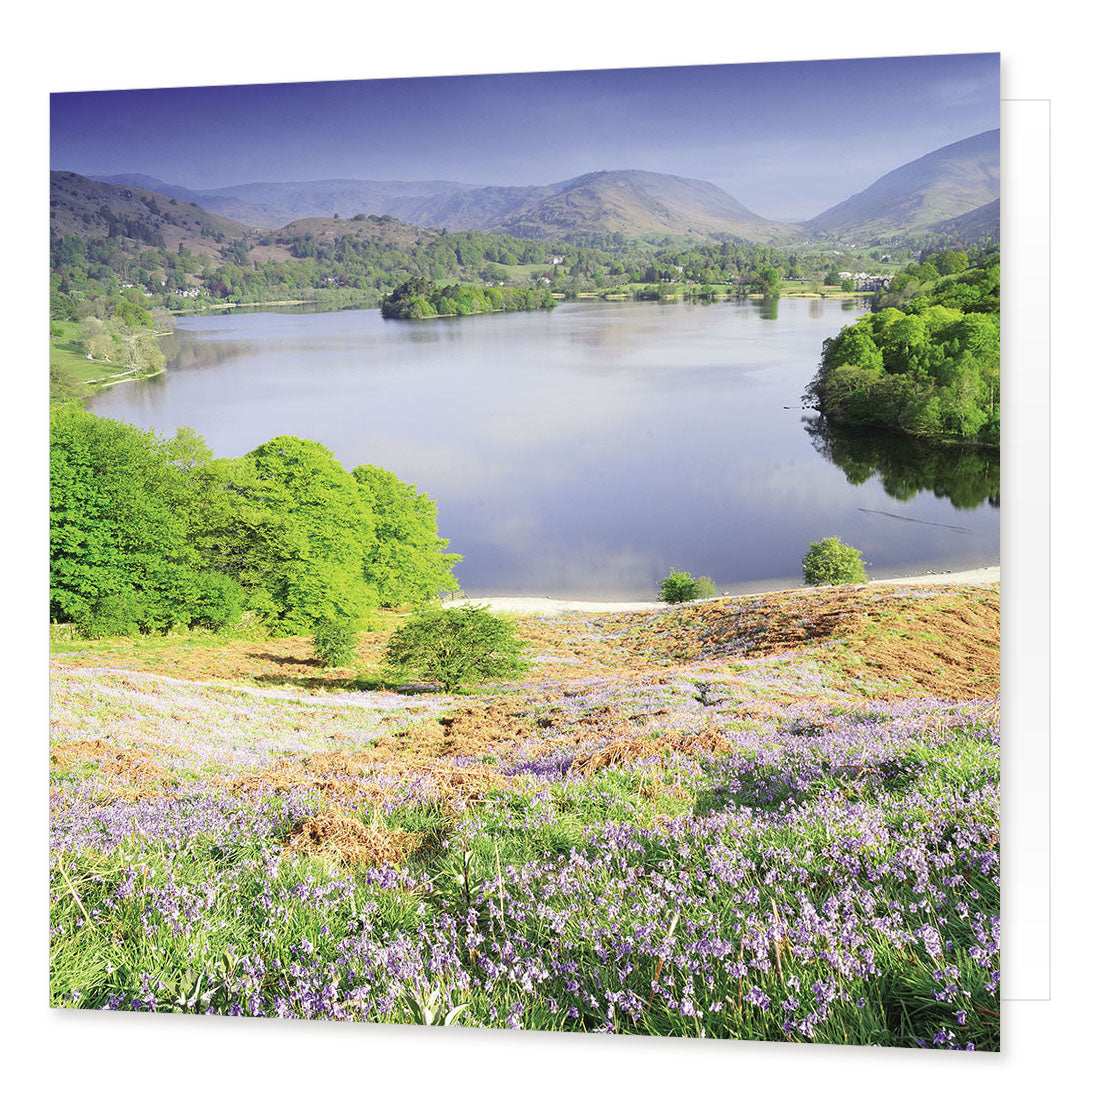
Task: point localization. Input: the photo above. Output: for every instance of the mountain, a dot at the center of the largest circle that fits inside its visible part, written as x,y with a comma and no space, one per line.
273,205
971,227
89,208
631,202
151,183
636,203
939,186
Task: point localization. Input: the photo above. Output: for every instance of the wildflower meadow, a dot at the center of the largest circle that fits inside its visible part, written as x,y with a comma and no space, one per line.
754,818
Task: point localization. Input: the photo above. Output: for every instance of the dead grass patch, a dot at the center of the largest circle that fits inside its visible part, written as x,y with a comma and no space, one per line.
346,839
472,730
625,750
947,649
357,777
135,767
780,622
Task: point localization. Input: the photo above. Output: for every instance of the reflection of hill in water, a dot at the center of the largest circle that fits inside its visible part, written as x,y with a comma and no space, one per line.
967,476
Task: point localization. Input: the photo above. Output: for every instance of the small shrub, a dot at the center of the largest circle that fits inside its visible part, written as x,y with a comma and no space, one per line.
335,643
455,646
680,587
832,562
115,615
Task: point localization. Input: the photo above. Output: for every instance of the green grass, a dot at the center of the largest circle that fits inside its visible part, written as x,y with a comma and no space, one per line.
66,352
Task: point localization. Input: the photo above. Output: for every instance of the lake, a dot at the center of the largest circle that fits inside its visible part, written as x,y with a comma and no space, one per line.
587,450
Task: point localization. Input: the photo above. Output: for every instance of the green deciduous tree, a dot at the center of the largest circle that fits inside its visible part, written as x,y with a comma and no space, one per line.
832,562
455,646
678,587
406,562
334,643
119,554
315,532
931,369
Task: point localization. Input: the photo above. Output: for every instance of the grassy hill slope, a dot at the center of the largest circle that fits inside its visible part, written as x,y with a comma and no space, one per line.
89,208
942,184
769,818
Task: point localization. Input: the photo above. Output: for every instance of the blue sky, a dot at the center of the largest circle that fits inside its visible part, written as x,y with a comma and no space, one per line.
787,139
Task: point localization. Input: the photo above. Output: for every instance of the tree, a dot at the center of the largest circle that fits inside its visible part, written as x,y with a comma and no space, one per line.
97,338
455,646
334,643
65,383
162,320
680,587
951,263
315,534
766,281
832,562
119,556
405,562
931,369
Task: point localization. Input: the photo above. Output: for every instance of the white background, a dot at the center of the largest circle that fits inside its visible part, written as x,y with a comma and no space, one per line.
63,46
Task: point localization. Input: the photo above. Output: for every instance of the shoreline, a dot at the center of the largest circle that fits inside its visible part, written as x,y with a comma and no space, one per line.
578,296
547,605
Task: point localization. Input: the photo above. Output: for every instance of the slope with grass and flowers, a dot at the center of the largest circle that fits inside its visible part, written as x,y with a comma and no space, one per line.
770,817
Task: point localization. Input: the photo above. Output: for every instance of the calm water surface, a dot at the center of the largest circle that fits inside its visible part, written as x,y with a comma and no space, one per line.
587,450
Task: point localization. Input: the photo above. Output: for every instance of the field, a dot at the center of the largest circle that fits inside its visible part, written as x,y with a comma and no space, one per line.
766,817
65,350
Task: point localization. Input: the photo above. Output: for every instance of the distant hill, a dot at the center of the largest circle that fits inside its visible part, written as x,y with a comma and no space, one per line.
939,186
636,203
90,208
151,183
975,225
277,204
386,230
273,205
631,202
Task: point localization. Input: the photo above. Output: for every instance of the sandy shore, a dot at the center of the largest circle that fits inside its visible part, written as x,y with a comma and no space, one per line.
544,605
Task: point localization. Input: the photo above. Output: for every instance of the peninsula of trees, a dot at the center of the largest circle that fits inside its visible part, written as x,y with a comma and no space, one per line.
417,299
926,361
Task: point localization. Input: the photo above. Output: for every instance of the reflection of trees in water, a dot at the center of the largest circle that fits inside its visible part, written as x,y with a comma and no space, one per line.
769,308
817,308
967,476
186,353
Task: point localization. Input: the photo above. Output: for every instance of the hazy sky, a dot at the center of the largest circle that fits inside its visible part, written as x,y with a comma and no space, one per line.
787,140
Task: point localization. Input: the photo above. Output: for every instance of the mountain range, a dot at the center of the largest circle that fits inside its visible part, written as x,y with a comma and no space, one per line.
631,202
955,182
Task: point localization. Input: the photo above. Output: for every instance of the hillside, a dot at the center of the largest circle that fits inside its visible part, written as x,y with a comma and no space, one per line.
941,185
89,208
769,817
975,225
636,203
272,205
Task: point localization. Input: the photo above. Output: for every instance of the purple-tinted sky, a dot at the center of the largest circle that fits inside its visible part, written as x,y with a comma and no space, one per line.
788,140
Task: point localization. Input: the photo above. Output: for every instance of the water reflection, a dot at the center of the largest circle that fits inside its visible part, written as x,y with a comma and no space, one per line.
967,476
769,309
